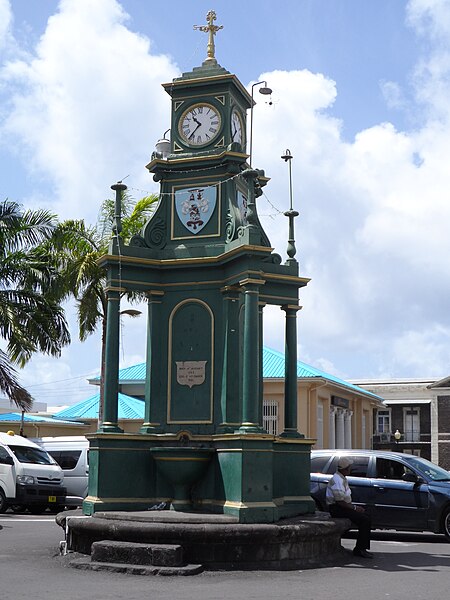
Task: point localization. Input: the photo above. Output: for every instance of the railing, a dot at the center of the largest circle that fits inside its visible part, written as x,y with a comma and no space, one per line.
411,436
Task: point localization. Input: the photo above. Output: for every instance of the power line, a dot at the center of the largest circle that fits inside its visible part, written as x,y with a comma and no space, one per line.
78,377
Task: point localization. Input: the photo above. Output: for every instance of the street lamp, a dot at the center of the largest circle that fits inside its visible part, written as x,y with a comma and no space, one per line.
162,146
397,436
266,91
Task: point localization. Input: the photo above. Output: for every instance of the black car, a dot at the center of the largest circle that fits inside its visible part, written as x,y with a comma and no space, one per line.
399,491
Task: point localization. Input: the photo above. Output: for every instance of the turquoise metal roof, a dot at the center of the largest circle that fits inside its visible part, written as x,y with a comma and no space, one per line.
135,373
17,417
273,368
129,408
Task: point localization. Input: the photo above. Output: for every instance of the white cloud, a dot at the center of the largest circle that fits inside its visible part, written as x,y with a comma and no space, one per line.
5,22
423,351
393,94
373,226
88,105
430,18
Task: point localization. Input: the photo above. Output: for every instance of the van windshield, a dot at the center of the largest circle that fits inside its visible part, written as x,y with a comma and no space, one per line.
26,454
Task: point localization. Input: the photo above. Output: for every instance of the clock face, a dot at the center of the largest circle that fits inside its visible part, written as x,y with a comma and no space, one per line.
236,127
199,125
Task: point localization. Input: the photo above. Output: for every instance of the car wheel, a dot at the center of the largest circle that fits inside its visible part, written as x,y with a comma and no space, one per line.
3,503
446,523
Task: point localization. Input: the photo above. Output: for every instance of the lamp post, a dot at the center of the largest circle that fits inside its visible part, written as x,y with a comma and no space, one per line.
266,91
397,437
291,213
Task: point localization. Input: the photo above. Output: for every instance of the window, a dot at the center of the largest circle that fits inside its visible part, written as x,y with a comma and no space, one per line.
318,464
4,455
383,421
411,424
67,459
393,469
270,416
360,466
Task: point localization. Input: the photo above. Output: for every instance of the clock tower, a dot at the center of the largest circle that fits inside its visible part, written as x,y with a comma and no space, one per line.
209,106
207,269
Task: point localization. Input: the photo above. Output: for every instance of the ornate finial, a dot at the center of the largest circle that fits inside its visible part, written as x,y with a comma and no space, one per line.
291,213
119,188
211,29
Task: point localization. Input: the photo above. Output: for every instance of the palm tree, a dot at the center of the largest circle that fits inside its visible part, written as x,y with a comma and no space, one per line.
78,249
31,319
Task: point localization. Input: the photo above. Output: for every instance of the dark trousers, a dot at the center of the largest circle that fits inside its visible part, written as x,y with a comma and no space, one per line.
360,519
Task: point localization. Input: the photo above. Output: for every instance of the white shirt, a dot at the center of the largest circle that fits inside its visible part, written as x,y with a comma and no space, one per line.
338,489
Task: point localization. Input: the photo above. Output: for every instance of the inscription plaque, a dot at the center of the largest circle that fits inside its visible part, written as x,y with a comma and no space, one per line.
191,372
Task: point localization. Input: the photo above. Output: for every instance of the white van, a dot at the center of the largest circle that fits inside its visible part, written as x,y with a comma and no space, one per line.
72,455
29,477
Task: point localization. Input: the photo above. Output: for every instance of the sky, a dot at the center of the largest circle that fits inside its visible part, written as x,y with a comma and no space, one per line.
360,98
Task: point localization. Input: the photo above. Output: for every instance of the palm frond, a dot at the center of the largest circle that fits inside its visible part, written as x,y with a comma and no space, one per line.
90,311
23,229
11,387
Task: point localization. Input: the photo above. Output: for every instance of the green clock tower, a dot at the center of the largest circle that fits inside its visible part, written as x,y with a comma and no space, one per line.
207,269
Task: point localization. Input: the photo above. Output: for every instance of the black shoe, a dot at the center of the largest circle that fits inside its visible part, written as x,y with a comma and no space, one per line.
362,553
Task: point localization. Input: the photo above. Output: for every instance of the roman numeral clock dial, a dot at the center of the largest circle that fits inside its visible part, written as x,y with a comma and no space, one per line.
236,127
199,125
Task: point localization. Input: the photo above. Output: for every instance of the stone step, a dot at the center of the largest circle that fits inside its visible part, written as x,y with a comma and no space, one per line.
133,553
88,565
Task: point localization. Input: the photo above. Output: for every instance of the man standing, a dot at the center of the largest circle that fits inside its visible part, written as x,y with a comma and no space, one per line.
339,501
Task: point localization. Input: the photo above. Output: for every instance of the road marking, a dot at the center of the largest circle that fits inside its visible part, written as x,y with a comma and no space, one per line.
50,520
394,543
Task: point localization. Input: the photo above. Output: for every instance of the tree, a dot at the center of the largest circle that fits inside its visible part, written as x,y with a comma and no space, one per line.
77,250
31,319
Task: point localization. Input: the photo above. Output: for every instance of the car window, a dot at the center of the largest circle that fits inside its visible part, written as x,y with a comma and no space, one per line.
392,469
360,466
4,454
67,459
318,463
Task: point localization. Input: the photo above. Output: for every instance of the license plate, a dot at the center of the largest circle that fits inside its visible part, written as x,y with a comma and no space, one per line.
52,498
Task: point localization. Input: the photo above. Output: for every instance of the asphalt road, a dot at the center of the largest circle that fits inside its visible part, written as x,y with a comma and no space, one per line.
405,567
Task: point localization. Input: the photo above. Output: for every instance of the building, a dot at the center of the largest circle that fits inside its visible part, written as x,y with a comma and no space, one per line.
335,413
418,411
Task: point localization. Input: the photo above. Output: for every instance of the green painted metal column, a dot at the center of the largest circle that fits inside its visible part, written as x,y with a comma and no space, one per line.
290,373
111,387
152,415
229,400
261,306
251,360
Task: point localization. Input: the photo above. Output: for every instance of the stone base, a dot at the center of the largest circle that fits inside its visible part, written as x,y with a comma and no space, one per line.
216,542
88,565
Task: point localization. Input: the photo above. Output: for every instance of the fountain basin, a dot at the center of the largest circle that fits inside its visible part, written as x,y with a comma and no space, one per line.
182,467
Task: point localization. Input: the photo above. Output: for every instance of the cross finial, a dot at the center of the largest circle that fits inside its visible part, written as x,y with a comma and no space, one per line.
211,29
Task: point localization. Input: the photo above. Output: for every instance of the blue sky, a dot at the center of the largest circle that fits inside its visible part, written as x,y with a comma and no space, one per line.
360,97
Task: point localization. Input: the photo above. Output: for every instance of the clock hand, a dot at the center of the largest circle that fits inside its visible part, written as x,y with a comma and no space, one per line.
192,134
